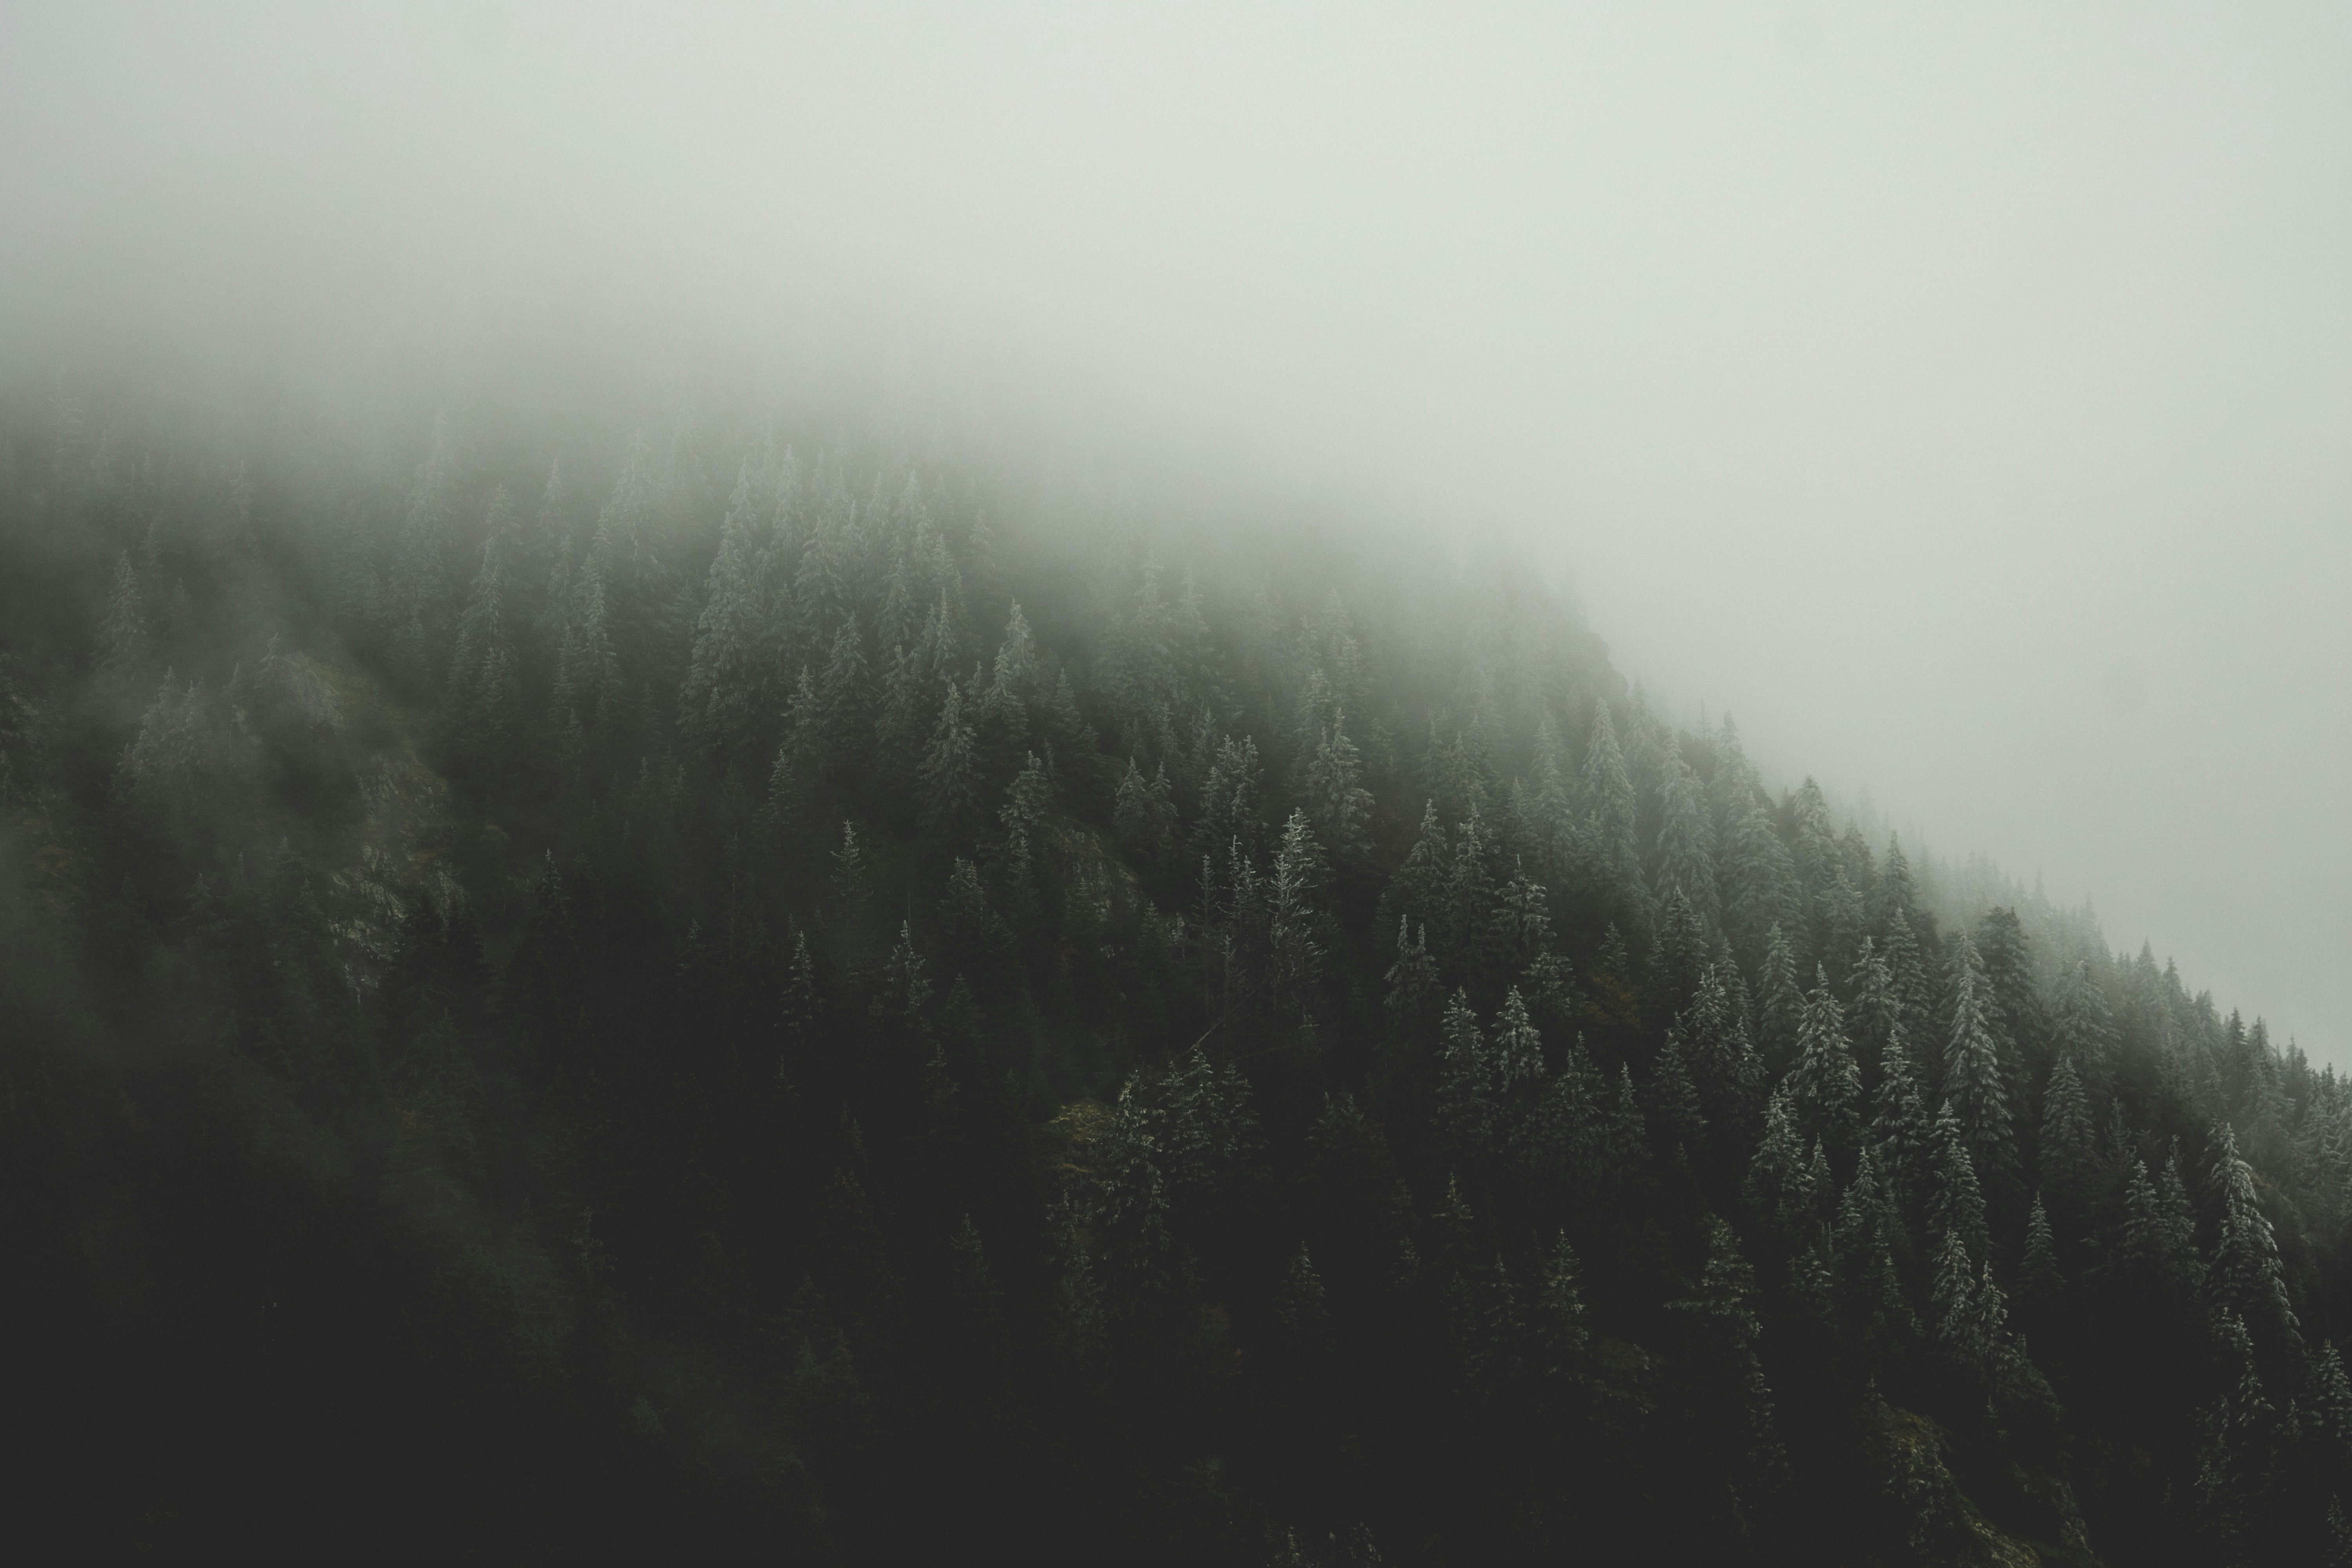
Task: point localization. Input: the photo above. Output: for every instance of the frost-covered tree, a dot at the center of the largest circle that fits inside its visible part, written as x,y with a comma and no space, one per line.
1972,1080
2067,1155
1824,1087
1465,1080
949,777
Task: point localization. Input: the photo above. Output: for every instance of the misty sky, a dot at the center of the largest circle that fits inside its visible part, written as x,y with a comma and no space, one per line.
1964,402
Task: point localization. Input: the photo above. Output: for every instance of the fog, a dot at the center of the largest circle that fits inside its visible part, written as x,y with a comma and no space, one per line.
1962,402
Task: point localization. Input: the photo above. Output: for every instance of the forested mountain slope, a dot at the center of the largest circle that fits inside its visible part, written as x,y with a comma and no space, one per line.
702,993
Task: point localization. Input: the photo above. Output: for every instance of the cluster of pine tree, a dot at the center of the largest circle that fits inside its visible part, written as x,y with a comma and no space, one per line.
736,997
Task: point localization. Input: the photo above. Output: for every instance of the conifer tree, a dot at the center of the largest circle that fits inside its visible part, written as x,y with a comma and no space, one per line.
1973,1078
1298,1307
1686,843
723,685
1901,1132
124,631
1627,1140
1015,675
2245,1277
1561,1330
1675,1112
2143,1252
1519,1050
2042,1281
1909,968
1417,891
1868,1232
1824,1087
1724,1301
1465,1094
1341,805
1027,799
1570,1134
1758,883
1778,1186
2066,1156
1470,897
1412,979
949,777
1955,1204
1294,922
1877,1013
1608,800
1783,1012
1522,922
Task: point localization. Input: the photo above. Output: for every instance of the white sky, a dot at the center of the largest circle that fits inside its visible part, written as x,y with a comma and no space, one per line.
1963,400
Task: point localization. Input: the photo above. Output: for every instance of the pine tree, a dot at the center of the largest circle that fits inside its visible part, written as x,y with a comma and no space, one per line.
1417,891
1824,1087
1142,813
1868,1231
1465,1093
1341,805
1027,799
1609,814
949,776
1570,1134
1561,1330
1956,1205
1778,1188
1522,922
1758,883
1470,898
1412,979
1627,1139
2067,1158
1877,1009
2043,1283
2143,1253
2177,1222
1724,1301
1298,1308
1783,1005
1294,922
124,631
1972,1080
1015,677
1953,1291
1901,1132
1686,843
1519,1050
1674,1110
2245,1277
723,687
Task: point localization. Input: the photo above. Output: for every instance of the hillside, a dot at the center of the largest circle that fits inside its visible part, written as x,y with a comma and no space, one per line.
576,990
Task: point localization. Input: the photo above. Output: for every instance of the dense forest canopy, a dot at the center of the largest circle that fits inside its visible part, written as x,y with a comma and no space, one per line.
590,983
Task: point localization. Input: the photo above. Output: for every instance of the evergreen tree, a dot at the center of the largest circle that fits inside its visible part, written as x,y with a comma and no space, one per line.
1465,1094
2066,1155
1824,1087
1675,1112
1519,1050
2245,1279
1901,1132
1609,816
1972,1080
1686,843
1341,807
949,777
2039,1271
1561,1330
1783,1004
1956,1203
